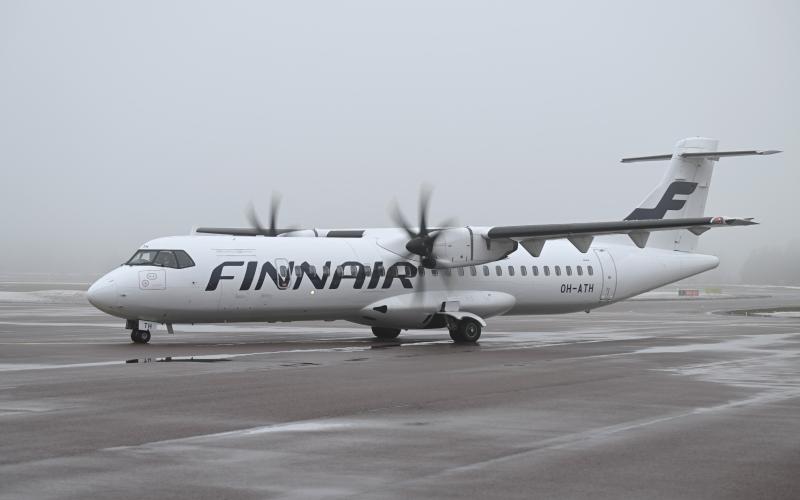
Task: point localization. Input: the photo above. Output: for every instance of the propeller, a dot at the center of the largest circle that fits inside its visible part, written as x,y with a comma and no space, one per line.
422,240
252,217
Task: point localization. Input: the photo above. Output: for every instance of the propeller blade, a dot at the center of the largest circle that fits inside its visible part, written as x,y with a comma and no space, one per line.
252,217
425,192
417,300
274,206
255,221
400,220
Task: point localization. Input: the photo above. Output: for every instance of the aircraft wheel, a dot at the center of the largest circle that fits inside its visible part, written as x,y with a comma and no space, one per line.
468,330
385,333
141,336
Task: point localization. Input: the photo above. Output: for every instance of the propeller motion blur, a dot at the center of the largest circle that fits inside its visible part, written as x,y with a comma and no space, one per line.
420,277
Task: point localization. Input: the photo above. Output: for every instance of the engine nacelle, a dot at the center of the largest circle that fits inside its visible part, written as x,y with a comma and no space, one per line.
466,246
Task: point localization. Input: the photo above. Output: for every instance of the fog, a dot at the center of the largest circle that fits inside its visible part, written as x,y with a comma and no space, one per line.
121,122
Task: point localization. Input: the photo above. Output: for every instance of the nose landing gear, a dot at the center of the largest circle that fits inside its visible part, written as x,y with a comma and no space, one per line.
140,336
140,330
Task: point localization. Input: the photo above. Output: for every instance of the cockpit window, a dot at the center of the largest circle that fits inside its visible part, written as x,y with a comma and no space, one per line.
165,258
183,259
177,259
143,258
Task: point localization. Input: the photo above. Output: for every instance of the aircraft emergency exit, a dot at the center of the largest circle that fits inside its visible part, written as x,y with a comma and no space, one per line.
421,277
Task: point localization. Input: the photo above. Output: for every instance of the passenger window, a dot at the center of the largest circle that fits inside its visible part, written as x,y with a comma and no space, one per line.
547,270
486,270
590,270
535,270
353,271
523,270
183,259
558,270
511,270
367,270
434,272
166,258
569,270
461,271
312,269
284,271
421,270
580,271
499,270
298,271
473,271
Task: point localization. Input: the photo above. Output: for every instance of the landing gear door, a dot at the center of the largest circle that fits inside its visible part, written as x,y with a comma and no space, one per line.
609,271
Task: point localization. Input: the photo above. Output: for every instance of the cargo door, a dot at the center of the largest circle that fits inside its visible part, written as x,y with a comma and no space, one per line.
609,270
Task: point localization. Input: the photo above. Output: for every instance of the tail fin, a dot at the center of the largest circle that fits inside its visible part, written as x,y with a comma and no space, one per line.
683,191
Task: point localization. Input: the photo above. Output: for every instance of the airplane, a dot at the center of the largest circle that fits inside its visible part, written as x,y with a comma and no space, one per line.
406,278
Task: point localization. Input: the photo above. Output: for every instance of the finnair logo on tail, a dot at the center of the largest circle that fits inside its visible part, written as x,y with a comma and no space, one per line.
666,203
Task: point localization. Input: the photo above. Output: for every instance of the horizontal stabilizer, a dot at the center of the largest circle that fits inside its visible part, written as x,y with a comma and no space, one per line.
715,155
646,158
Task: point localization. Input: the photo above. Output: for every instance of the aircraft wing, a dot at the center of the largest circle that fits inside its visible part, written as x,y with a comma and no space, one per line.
246,231
581,234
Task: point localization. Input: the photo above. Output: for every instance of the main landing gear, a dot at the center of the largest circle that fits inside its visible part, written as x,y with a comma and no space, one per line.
385,333
464,331
140,336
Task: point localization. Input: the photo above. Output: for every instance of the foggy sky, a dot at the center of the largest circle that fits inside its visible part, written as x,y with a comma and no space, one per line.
125,121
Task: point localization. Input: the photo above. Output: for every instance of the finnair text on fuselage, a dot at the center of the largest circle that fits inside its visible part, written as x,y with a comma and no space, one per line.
379,275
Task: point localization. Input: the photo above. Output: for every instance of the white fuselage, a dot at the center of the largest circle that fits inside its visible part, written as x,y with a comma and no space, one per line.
270,279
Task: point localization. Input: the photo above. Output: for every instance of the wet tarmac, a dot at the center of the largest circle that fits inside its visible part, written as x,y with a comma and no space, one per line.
654,398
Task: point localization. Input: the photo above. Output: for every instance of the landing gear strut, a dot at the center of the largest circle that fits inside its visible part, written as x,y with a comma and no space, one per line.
140,336
385,333
464,331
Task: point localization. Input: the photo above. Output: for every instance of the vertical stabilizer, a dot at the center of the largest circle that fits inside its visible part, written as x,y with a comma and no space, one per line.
682,192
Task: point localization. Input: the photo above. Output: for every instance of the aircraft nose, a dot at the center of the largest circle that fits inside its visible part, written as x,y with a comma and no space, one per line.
103,293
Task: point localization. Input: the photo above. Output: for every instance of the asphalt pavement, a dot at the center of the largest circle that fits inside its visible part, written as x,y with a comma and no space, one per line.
653,398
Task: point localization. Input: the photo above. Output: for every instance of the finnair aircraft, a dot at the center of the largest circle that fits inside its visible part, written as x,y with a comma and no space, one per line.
394,279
